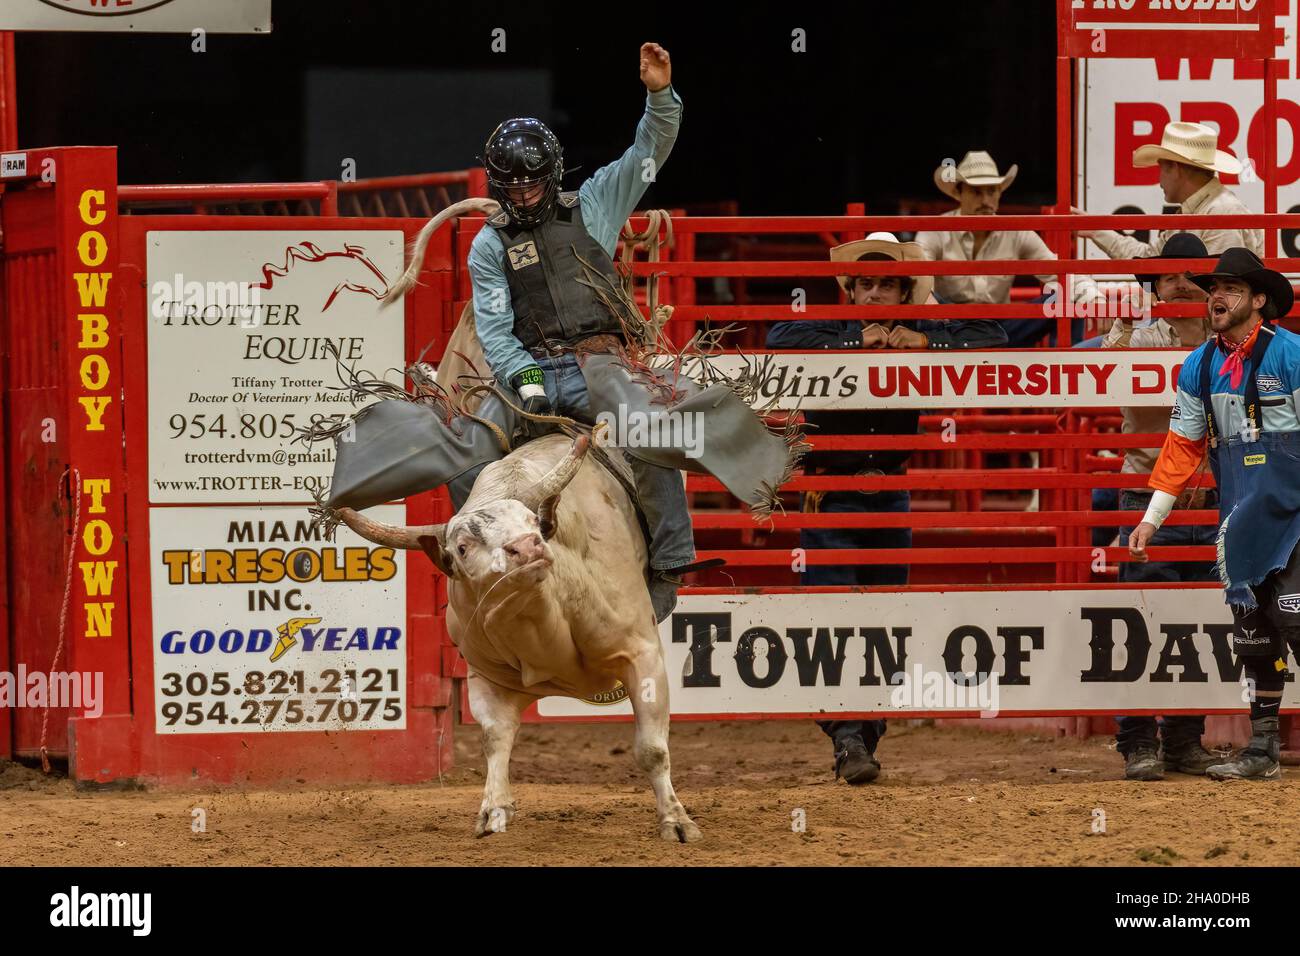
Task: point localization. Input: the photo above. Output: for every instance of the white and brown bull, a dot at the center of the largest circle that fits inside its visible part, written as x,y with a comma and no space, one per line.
547,596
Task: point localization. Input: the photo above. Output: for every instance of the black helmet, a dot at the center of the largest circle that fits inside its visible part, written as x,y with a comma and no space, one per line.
521,153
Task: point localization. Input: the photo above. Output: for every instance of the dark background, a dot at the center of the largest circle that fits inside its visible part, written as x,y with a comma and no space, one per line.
885,91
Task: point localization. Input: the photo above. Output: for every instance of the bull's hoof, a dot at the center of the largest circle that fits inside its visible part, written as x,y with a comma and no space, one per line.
493,820
679,831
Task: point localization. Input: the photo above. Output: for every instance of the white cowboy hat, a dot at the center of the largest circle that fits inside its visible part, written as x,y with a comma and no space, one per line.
888,244
1192,144
977,168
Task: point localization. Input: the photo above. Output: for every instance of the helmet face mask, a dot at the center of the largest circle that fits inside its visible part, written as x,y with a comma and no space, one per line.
524,164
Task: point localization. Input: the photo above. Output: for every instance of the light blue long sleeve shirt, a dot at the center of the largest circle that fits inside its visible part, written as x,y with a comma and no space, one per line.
607,198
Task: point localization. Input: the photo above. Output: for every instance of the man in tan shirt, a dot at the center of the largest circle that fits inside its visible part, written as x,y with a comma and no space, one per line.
978,186
1190,161
1181,733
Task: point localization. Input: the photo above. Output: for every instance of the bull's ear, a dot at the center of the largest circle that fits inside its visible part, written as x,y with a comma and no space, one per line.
437,554
547,515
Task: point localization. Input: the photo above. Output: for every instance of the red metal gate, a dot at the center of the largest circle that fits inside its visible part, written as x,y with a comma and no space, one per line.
76,451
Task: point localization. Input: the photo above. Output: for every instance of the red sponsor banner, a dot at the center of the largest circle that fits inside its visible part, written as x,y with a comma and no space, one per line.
1033,378
1233,29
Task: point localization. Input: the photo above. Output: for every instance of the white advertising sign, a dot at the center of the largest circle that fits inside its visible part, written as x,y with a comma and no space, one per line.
259,624
1041,652
1126,103
242,328
1017,379
138,16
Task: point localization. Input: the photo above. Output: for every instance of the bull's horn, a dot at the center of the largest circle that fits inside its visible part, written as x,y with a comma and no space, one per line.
406,282
554,481
394,536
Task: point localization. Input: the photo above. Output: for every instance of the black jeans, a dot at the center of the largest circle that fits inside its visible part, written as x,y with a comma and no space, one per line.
853,502
840,731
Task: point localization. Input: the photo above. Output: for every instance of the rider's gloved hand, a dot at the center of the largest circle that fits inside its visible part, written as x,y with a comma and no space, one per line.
528,384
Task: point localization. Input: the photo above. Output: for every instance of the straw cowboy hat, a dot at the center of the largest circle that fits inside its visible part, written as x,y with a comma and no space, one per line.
977,168
1192,144
884,245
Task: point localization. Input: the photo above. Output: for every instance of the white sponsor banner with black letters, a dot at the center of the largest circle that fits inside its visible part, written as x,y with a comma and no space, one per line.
138,16
261,625
1084,378
241,331
1049,651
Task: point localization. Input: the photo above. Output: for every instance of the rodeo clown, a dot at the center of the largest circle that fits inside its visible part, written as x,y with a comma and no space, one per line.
1239,393
533,312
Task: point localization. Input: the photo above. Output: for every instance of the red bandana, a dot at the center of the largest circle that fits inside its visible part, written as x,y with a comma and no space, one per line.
1234,364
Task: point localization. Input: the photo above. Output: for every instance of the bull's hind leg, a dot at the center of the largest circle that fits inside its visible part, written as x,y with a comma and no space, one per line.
648,688
497,711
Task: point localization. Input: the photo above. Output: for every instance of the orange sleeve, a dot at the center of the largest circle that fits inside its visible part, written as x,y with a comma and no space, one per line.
1178,462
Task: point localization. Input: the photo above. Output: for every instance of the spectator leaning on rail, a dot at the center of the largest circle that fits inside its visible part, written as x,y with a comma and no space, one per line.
976,183
1181,733
532,316
1190,161
1239,394
856,740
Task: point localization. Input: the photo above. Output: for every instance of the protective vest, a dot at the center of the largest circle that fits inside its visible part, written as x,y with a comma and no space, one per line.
552,307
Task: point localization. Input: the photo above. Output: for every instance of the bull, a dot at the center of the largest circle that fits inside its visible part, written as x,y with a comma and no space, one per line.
546,583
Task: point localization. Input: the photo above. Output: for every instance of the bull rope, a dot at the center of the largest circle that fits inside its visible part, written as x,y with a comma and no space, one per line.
63,618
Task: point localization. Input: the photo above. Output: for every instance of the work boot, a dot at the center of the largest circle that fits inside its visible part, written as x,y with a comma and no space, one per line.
855,763
1259,760
1188,756
1143,763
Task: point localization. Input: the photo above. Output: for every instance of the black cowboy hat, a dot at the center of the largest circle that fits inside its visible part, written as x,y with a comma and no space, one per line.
1242,264
1181,245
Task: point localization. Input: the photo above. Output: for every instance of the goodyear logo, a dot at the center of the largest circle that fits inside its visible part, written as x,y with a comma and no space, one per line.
1256,459
260,640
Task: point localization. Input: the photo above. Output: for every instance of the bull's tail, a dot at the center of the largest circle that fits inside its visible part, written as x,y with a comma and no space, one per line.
421,243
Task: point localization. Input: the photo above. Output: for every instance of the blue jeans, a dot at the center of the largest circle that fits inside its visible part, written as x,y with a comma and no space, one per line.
661,490
1175,729
1176,535
1105,499
850,502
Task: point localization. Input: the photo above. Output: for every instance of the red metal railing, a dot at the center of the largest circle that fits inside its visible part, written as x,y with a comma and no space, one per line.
950,497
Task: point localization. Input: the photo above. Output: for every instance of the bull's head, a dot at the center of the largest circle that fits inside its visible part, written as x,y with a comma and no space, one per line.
505,536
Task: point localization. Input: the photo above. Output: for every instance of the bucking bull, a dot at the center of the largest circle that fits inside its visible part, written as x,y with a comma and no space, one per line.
546,559
547,596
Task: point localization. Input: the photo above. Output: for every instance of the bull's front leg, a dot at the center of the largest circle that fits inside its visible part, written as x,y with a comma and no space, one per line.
647,685
497,711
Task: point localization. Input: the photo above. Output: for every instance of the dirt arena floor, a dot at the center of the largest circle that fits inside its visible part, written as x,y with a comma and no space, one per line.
948,796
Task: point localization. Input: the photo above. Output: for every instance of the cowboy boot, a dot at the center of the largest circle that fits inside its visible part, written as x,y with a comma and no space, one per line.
1259,760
